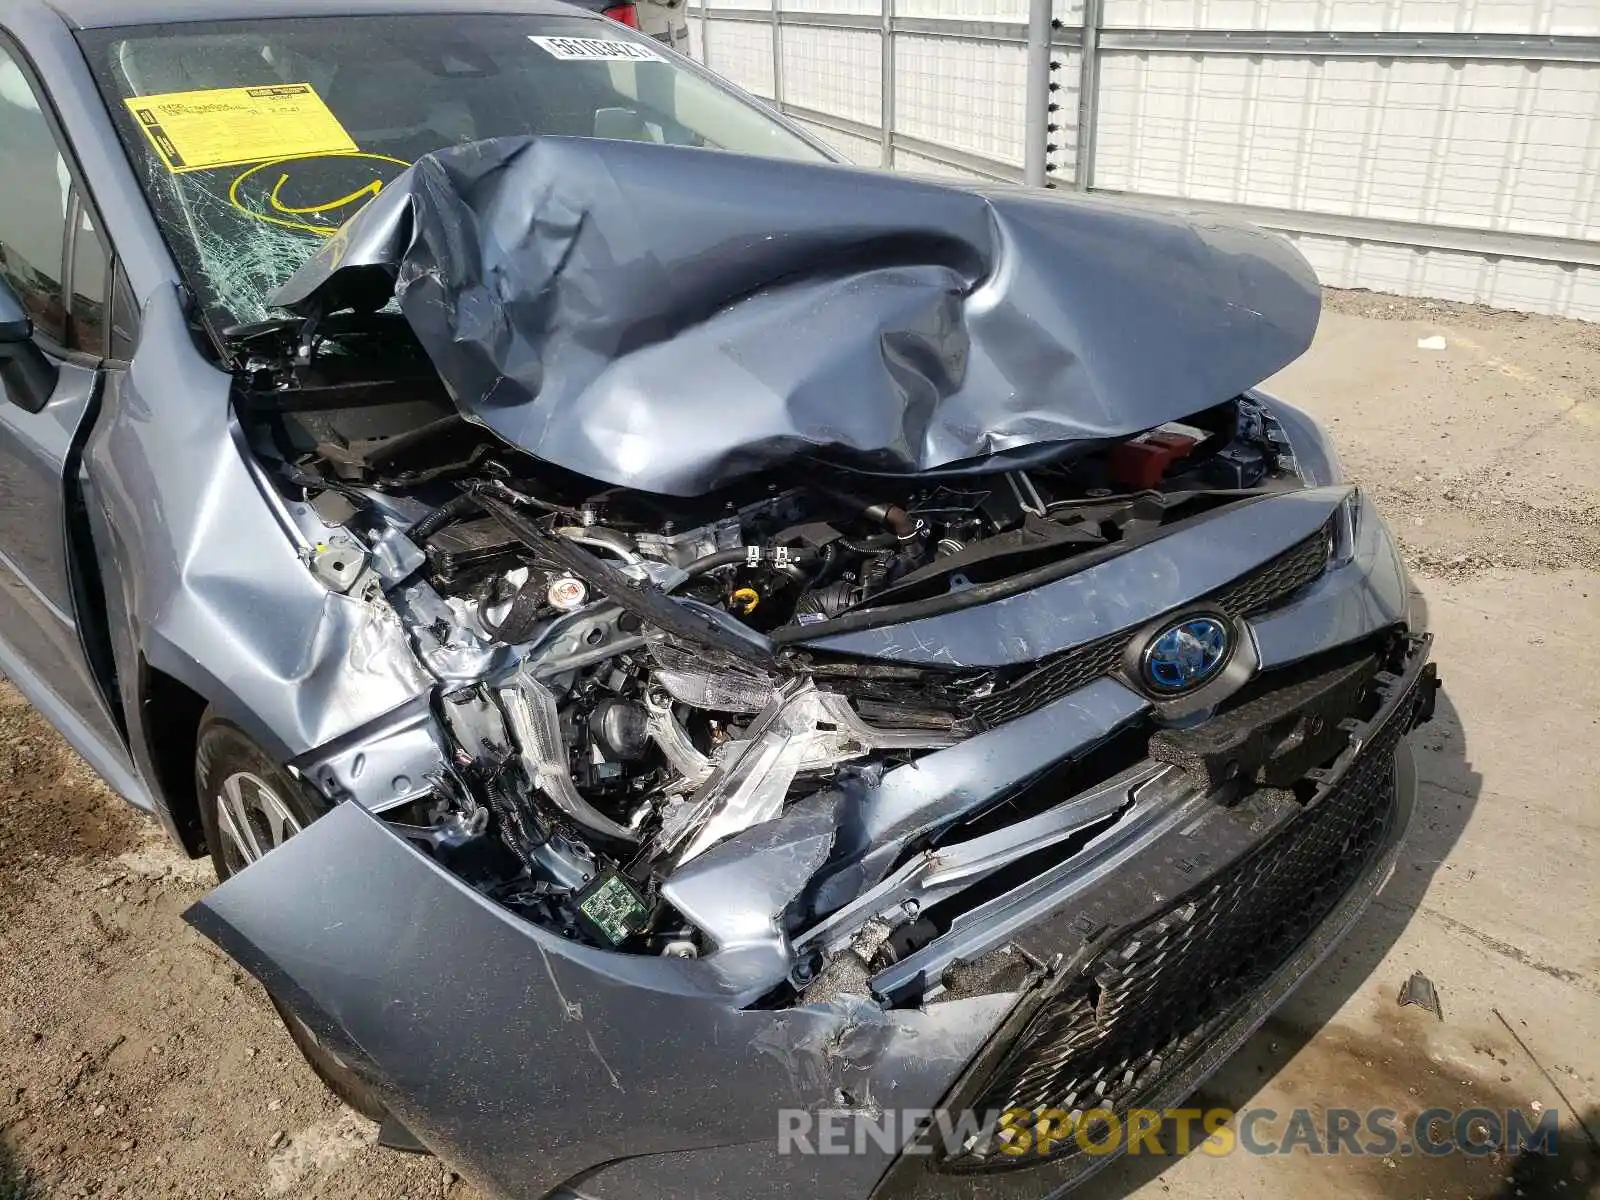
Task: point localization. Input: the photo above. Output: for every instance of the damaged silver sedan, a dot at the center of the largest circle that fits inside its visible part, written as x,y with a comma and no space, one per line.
661,632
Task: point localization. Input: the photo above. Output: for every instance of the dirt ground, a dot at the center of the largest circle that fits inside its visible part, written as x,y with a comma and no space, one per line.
137,1061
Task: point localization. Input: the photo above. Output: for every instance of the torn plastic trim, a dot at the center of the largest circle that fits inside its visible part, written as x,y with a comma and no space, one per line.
940,874
1159,802
872,615
738,892
891,808
743,892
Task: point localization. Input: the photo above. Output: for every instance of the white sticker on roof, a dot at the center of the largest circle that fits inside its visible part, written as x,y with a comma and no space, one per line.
583,49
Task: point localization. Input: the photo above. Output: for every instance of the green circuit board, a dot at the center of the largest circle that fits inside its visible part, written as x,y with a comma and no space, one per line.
613,908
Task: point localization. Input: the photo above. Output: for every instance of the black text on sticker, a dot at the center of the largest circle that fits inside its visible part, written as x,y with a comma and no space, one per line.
595,49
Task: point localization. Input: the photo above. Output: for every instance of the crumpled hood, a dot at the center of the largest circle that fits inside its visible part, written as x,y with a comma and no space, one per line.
669,319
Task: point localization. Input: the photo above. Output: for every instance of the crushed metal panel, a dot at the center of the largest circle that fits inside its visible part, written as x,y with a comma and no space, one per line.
603,305
495,1040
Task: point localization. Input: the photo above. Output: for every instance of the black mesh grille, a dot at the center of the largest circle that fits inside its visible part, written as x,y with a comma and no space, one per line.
1053,678
1277,577
1071,669
1154,996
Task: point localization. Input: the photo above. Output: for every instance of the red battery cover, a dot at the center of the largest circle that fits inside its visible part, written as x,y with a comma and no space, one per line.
1141,464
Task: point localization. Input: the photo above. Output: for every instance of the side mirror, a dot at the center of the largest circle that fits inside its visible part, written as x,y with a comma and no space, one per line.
15,323
29,376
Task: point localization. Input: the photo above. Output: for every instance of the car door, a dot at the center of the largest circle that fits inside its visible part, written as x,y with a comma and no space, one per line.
54,258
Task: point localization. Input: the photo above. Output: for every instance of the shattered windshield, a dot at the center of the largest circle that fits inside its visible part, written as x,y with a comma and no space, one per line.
256,140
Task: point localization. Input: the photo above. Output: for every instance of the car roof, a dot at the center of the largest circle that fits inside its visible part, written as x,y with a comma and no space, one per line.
100,14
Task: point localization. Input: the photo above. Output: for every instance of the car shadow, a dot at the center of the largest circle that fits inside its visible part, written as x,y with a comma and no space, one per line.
16,1181
1572,1172
1448,790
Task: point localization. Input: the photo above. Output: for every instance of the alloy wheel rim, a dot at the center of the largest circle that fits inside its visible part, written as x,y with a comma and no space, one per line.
252,819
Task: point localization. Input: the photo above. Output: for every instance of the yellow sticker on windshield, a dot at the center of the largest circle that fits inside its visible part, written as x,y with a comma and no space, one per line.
228,127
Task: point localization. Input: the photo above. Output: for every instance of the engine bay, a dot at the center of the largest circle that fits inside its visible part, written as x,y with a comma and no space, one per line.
623,678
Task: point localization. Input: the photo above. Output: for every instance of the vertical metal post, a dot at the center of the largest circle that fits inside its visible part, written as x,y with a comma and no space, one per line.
777,59
1037,110
1088,97
886,86
705,33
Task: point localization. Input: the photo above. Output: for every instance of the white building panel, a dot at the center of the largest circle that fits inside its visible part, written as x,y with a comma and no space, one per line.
962,93
917,164
1480,145
834,71
742,51
1410,16
966,10
854,7
864,152
1572,291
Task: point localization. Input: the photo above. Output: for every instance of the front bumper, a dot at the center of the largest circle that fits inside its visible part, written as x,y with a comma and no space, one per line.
531,1062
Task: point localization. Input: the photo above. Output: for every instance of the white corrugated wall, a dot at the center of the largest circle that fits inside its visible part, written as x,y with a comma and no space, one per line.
1446,148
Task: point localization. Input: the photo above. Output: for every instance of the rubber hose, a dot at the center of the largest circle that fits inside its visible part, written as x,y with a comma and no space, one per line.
829,556
868,545
710,562
450,510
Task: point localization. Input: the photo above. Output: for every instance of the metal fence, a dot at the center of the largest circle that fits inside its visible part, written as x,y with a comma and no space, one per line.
1446,148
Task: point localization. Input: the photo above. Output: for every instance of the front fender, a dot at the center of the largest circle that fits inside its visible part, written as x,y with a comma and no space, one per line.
209,586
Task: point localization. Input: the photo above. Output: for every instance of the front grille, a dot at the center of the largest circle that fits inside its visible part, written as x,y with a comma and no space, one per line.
1071,669
1145,1004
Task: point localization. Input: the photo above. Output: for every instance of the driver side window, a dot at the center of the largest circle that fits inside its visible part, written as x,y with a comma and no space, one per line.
33,203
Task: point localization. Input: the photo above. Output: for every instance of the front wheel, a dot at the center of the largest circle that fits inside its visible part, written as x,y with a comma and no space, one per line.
249,805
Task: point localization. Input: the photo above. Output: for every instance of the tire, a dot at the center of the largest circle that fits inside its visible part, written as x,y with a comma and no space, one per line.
237,782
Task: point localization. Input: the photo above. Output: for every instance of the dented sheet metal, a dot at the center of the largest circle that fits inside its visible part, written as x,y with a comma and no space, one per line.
670,319
525,1058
